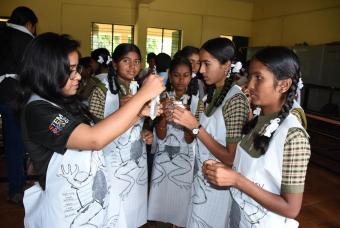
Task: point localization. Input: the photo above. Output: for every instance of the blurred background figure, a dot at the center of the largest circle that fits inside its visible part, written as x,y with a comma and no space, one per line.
14,37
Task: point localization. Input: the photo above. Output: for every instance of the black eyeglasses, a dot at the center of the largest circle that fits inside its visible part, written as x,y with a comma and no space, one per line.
74,70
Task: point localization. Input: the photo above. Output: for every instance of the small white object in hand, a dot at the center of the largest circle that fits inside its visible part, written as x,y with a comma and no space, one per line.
133,87
274,124
257,111
100,59
193,75
153,107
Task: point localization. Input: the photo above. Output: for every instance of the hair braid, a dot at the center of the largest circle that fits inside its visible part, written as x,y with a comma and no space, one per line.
226,87
113,80
260,141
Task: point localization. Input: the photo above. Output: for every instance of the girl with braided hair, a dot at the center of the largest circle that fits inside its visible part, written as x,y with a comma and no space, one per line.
100,96
268,174
172,171
126,155
218,129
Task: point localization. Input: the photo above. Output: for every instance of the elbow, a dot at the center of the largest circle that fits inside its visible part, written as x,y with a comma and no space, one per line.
292,214
97,144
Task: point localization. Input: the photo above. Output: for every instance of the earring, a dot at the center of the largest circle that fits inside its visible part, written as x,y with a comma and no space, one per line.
227,73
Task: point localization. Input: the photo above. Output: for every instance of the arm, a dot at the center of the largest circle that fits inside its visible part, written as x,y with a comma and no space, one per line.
295,159
235,113
286,204
99,135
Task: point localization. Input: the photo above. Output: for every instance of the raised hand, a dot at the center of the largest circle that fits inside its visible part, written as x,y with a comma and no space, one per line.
152,86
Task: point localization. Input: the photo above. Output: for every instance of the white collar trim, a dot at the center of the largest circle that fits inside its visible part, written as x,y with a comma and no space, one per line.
20,28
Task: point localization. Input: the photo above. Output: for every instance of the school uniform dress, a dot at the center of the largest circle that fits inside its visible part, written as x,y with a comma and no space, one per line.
209,204
126,160
172,175
73,188
281,169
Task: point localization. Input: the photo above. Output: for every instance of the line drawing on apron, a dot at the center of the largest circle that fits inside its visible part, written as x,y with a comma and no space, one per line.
252,212
172,154
92,199
134,162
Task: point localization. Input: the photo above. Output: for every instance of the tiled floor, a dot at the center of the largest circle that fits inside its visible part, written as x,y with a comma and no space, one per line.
321,204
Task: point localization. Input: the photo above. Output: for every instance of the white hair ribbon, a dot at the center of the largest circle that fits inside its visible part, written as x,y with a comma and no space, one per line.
257,111
274,124
300,83
133,87
100,59
236,67
185,99
109,59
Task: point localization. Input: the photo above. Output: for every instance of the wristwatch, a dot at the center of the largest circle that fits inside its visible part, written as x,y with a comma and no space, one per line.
196,130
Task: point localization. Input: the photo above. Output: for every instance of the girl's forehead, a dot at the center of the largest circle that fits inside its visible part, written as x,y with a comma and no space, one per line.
132,55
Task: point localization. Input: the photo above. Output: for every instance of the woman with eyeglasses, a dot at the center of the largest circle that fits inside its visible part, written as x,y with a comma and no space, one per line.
63,140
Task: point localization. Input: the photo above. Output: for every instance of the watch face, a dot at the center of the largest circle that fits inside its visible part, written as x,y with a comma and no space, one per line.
195,131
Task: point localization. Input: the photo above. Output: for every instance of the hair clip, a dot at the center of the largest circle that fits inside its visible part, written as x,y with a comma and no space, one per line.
236,67
100,59
274,124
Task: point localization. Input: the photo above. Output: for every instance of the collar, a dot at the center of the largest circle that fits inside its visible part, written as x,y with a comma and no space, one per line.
20,28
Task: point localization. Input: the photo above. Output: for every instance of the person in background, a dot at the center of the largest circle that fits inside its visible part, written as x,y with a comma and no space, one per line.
14,37
102,101
151,60
64,141
162,65
192,53
268,175
87,83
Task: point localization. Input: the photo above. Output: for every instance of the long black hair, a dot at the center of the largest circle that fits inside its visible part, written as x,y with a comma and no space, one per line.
118,54
284,64
223,50
45,71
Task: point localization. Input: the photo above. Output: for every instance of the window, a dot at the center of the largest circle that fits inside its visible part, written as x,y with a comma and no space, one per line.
3,21
229,37
109,36
163,40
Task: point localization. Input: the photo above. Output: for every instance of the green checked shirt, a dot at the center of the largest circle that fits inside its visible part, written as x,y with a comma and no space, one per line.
295,156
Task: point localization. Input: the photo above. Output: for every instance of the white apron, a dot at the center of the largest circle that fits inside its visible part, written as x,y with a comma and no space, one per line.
210,205
172,176
77,193
127,163
265,171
